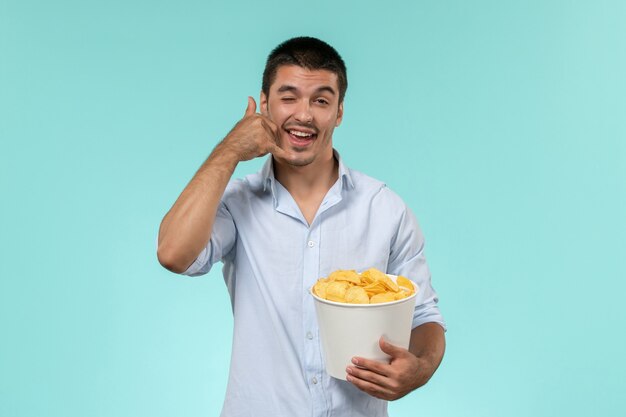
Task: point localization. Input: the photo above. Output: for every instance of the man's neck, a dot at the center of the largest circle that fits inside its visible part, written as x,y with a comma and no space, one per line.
316,178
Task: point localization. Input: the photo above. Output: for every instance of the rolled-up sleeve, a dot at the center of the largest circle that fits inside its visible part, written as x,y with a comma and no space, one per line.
407,259
222,242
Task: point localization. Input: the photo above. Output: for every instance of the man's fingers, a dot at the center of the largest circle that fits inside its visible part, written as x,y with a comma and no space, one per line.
367,375
278,151
273,129
251,107
372,365
274,138
372,389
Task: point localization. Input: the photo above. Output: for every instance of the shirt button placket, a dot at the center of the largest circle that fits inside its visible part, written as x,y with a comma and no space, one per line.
313,365
311,357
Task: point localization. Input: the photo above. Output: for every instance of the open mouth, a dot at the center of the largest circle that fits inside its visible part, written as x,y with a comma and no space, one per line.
301,138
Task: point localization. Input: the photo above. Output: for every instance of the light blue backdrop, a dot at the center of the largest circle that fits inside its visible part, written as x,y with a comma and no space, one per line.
502,124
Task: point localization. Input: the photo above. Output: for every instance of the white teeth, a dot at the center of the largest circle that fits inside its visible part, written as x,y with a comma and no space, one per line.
300,134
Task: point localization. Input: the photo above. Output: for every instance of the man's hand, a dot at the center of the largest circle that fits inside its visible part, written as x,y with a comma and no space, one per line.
404,373
253,136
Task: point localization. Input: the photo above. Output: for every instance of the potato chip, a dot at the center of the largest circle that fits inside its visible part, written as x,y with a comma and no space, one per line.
384,297
367,279
320,288
346,275
336,291
401,294
389,284
357,295
375,287
374,274
404,282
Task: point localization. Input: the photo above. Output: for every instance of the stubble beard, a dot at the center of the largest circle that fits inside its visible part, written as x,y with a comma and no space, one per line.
300,162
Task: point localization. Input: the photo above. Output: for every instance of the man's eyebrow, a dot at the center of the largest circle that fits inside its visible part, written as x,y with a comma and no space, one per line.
284,88
291,88
326,88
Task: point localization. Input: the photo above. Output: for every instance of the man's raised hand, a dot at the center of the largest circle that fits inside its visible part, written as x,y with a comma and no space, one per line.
254,135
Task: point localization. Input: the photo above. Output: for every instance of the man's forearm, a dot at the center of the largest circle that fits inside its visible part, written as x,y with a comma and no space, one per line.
428,342
186,228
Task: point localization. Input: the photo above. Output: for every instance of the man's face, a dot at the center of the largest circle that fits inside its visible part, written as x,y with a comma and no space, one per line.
304,104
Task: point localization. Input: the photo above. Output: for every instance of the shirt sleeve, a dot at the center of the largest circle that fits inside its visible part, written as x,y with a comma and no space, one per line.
222,242
407,259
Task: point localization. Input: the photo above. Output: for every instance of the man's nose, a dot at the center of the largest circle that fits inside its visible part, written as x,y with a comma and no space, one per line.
303,112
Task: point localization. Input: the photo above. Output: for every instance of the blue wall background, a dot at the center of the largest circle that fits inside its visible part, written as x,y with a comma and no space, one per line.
502,124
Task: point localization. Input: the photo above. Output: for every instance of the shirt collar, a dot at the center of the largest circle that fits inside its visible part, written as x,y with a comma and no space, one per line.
267,173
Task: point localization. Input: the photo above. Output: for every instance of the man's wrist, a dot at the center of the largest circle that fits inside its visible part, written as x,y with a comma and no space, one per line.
225,155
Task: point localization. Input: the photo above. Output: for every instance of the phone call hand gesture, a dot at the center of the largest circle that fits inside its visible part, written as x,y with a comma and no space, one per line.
254,135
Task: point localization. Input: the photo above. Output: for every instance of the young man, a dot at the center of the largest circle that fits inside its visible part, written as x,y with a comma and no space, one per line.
304,215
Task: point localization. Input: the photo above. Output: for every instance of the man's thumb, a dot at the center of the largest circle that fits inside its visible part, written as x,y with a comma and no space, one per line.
389,349
251,107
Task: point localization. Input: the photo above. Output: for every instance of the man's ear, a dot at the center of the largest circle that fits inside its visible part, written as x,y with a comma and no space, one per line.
339,114
263,102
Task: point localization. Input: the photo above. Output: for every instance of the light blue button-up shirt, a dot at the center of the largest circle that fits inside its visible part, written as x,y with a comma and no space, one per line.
272,256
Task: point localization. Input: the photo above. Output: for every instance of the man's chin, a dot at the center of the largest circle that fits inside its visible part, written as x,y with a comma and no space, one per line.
295,160
299,162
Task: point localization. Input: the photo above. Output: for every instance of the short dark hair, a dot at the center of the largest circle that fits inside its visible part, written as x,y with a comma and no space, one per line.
309,53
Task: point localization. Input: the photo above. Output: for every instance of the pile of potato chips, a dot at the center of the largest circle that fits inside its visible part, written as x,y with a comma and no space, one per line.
369,287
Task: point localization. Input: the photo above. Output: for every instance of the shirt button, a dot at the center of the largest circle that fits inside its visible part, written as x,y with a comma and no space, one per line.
311,243
314,380
309,335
